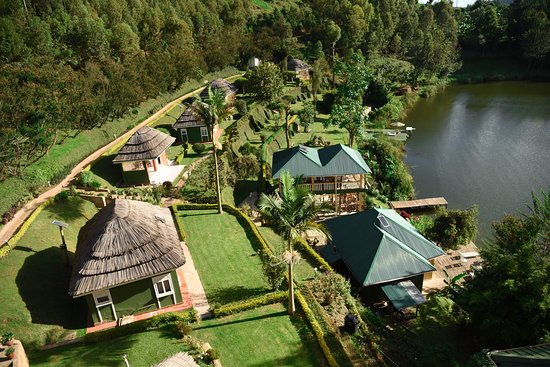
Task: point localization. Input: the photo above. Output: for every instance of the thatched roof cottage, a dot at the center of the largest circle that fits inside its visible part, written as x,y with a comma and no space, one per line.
126,260
299,67
143,158
192,129
229,90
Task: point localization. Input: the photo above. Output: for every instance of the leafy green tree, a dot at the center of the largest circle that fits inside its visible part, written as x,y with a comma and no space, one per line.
454,228
211,112
266,82
291,212
508,299
307,116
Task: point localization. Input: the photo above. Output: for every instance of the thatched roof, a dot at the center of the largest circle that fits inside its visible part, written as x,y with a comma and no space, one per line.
145,144
188,119
125,241
180,359
297,65
222,84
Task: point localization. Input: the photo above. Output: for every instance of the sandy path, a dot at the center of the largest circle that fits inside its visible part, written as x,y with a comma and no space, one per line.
22,214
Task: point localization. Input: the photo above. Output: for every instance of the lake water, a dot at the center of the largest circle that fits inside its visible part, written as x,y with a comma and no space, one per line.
485,144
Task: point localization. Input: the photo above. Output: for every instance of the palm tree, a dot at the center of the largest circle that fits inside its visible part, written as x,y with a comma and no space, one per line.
213,111
291,213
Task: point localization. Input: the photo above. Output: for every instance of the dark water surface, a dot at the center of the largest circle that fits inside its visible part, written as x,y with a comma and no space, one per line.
485,144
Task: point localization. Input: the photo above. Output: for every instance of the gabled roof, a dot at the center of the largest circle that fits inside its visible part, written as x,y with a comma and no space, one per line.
125,241
536,355
188,119
378,248
145,144
222,84
335,160
297,65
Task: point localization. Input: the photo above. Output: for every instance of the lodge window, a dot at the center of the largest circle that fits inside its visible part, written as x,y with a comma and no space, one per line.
103,298
204,133
163,287
184,135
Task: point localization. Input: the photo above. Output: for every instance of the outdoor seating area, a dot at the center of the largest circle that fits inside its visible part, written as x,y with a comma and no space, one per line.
465,260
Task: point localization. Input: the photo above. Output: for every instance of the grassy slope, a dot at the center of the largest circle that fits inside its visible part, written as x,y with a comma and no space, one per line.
143,349
62,158
263,337
228,266
34,276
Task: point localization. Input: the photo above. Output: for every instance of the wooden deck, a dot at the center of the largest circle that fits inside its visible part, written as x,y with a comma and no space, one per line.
419,204
464,260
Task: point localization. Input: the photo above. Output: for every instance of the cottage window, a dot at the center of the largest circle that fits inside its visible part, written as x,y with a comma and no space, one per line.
183,133
204,133
163,287
103,298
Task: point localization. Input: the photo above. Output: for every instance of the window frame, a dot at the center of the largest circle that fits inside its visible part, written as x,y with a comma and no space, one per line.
162,279
98,304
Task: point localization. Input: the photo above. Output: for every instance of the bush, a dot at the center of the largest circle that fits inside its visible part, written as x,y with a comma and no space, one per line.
183,328
211,355
249,304
198,148
274,271
9,351
242,107
61,197
454,228
246,166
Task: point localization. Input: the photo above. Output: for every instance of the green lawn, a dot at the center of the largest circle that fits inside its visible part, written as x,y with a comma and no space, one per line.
262,337
228,266
303,270
143,349
109,175
34,277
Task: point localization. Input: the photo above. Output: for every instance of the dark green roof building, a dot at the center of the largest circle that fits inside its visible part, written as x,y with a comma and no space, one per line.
535,355
379,247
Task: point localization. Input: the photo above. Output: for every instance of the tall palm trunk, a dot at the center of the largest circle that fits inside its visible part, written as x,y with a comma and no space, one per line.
218,191
291,304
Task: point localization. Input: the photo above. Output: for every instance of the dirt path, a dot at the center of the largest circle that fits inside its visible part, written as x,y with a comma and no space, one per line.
9,229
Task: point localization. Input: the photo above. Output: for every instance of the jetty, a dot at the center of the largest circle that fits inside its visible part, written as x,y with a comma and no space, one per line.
419,204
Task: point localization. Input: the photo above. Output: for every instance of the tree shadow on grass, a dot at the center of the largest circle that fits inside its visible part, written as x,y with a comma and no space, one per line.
310,345
43,283
107,170
69,210
232,294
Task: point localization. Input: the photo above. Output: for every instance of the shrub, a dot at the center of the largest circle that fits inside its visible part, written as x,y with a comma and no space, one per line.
183,328
274,270
211,355
454,228
9,350
6,337
246,166
62,197
249,304
198,148
330,286
242,107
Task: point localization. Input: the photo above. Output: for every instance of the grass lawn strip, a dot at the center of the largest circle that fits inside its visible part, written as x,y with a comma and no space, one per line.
266,336
35,277
142,350
228,266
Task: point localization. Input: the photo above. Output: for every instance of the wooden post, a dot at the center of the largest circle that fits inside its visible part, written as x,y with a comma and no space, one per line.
64,245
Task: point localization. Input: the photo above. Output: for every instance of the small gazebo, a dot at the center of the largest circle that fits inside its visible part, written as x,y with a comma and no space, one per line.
126,260
143,158
229,90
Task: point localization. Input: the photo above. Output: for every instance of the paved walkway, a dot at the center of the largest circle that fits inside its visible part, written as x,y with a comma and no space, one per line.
8,230
194,285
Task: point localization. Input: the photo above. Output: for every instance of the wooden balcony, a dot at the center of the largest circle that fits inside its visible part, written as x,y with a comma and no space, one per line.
337,184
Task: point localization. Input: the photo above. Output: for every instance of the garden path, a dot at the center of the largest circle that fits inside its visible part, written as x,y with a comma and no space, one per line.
194,285
10,228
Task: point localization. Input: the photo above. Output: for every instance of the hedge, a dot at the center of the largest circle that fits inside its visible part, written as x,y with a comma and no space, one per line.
319,335
23,229
249,304
152,323
312,255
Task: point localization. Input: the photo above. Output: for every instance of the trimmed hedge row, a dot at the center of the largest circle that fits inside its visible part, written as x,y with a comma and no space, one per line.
319,335
249,304
23,229
312,255
152,323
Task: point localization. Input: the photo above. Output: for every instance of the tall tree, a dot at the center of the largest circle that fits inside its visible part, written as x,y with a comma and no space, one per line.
213,111
266,82
291,212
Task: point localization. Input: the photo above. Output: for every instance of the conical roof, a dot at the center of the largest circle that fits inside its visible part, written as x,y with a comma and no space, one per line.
297,65
145,144
125,241
188,119
222,84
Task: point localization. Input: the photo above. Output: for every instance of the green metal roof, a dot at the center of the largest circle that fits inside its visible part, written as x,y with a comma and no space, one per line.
335,160
404,294
375,253
536,355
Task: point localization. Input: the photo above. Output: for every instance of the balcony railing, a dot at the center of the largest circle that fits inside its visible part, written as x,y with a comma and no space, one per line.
332,186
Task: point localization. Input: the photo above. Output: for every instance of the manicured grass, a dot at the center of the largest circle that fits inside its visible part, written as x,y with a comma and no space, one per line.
332,134
228,266
34,277
109,175
61,158
143,349
262,4
262,337
303,270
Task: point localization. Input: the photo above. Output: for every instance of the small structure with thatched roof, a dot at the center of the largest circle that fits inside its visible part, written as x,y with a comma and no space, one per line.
126,260
192,129
143,158
228,89
299,67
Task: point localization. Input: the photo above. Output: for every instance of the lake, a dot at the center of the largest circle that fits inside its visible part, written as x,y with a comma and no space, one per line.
485,144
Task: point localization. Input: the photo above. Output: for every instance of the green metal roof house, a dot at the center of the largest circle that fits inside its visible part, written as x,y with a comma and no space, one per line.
380,248
535,355
126,261
337,171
